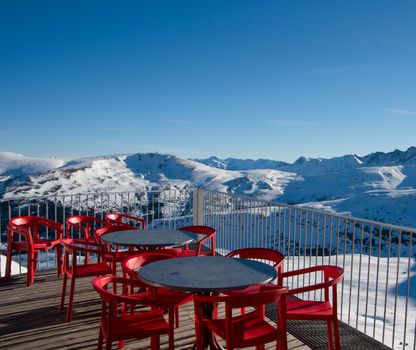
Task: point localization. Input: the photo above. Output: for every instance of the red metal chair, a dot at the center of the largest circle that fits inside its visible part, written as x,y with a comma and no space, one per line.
300,309
119,327
263,254
30,227
167,299
250,329
83,227
74,267
203,234
113,254
125,219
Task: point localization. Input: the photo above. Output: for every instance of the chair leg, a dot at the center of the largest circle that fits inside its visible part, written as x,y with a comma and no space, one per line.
71,300
31,265
336,333
176,317
171,327
63,291
100,340
9,259
108,344
199,335
35,260
330,339
281,343
155,343
260,347
59,259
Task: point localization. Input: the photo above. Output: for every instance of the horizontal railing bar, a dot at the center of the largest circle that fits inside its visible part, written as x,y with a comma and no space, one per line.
315,211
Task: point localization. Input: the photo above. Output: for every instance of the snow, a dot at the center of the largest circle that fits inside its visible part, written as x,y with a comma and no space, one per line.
14,164
16,267
379,186
365,311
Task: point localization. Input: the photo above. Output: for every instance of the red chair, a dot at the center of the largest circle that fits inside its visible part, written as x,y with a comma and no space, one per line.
115,327
167,299
250,329
208,235
263,254
30,227
83,227
125,219
74,268
113,254
300,309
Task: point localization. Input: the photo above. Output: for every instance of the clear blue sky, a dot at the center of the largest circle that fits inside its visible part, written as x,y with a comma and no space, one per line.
247,79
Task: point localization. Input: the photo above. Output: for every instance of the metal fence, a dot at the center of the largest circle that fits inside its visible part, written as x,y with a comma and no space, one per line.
377,295
167,208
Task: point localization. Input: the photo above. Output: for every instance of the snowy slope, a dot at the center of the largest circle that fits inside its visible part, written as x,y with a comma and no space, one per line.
15,168
242,164
379,186
150,171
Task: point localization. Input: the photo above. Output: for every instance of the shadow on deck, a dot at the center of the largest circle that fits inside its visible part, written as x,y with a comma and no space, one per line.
30,317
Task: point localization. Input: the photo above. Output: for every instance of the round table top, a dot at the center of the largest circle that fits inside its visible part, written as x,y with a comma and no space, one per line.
150,238
207,274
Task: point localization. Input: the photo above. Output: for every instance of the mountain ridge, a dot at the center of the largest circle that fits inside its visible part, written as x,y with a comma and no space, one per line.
379,186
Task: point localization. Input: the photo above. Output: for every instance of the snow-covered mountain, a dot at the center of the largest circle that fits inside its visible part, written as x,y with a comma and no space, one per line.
149,171
15,168
378,186
242,164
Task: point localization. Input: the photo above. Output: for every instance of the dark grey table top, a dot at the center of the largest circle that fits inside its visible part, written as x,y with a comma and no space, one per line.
150,238
206,274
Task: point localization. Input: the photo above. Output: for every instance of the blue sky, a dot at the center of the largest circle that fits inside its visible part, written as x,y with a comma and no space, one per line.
245,79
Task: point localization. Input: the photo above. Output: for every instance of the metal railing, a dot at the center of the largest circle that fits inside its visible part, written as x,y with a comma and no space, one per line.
165,208
376,295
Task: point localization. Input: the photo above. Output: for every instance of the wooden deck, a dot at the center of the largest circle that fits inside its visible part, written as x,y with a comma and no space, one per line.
30,317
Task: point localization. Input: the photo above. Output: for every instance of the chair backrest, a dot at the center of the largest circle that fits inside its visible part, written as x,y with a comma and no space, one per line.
262,254
208,234
74,248
267,294
84,224
134,262
31,226
112,289
125,219
333,273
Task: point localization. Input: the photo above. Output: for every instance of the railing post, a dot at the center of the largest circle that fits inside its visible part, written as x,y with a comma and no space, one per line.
197,206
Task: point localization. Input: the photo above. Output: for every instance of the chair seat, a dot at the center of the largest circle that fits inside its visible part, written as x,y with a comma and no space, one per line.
172,298
141,325
45,243
38,244
248,330
91,269
308,309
